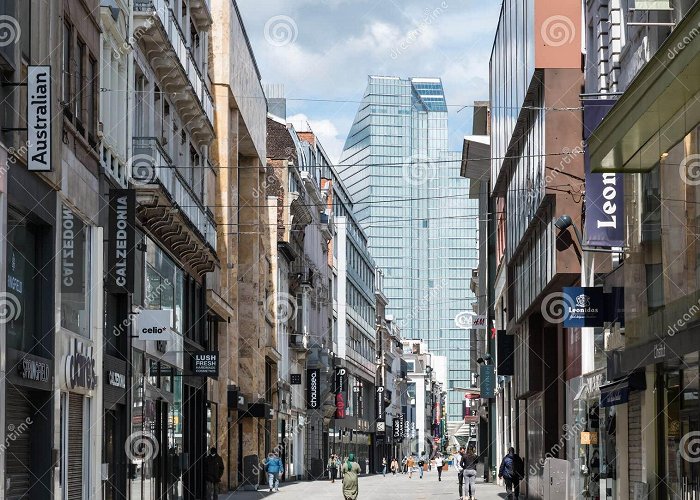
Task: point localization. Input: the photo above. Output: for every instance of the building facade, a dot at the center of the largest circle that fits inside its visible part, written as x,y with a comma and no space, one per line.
420,223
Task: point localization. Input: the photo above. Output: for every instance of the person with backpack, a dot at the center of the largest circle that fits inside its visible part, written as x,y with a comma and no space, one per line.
213,470
512,471
457,462
273,467
469,461
421,464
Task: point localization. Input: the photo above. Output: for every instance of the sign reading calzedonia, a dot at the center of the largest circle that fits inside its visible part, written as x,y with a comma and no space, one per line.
39,118
121,236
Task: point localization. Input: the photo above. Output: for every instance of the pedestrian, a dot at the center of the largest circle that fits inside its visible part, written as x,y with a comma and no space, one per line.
421,464
512,471
214,469
469,461
273,467
410,464
394,466
439,462
457,461
333,467
404,465
351,472
366,465
384,466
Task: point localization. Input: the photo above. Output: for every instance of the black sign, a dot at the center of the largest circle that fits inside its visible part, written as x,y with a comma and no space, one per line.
116,379
583,306
121,236
72,251
165,370
505,359
32,369
295,378
340,380
205,363
380,402
313,389
396,429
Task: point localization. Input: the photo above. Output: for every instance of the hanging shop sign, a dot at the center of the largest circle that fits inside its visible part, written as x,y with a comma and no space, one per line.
313,380
340,388
205,363
79,367
380,402
39,118
402,426
295,378
589,438
153,324
487,381
604,223
32,369
116,379
340,380
381,427
72,251
121,241
584,307
396,429
505,359
467,320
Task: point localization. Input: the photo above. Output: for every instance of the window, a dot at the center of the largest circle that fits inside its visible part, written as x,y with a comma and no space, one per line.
75,273
65,64
91,89
80,81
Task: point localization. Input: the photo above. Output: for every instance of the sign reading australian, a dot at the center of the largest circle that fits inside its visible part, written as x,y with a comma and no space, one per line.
39,118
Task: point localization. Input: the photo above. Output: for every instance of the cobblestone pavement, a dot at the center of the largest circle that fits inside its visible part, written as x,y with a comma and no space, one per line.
375,488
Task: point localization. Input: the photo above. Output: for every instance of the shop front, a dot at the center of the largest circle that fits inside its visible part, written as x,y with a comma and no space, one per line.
115,420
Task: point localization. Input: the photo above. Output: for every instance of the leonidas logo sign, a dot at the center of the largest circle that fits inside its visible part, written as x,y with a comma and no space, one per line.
39,118
153,324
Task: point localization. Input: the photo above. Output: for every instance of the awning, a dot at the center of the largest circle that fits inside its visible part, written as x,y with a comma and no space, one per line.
476,163
659,108
617,392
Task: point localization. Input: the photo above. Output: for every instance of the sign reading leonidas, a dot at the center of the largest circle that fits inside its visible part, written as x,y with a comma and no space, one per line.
153,324
39,118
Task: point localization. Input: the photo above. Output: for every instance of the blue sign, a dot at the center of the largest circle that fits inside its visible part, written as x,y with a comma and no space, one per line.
604,223
583,306
614,394
487,379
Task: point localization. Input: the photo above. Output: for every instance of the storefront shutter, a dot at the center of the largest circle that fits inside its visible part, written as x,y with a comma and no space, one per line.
74,487
18,453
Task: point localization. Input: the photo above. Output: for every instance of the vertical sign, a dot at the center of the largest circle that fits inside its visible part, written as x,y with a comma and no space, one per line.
396,429
313,378
380,402
72,251
505,363
339,390
122,240
39,118
402,426
487,379
604,195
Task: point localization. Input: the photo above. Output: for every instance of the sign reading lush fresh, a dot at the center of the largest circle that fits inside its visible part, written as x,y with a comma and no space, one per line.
205,363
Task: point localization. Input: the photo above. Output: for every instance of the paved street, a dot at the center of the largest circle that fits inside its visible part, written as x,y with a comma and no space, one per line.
376,488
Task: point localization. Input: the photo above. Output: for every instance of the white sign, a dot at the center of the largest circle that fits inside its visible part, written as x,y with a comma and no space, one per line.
153,324
39,118
468,320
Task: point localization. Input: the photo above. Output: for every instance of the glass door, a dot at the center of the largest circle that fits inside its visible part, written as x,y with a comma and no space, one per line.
689,466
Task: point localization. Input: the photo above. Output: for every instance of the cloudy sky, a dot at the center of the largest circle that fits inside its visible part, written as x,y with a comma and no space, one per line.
325,49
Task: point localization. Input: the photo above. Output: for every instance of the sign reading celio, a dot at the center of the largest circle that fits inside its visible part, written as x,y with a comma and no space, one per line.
39,118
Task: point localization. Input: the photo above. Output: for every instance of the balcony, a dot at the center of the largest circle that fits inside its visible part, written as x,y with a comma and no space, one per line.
169,208
200,12
157,30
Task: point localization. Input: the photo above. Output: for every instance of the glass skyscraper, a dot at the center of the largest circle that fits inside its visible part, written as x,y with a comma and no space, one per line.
416,210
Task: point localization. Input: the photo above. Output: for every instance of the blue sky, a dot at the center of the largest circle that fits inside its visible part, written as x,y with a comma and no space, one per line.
324,49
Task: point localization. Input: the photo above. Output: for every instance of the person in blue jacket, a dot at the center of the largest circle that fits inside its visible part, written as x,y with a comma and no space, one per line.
512,471
273,467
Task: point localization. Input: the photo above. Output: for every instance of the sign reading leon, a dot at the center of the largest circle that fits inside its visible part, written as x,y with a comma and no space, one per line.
153,324
39,118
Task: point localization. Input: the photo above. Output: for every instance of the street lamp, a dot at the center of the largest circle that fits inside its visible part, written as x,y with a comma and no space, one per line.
564,222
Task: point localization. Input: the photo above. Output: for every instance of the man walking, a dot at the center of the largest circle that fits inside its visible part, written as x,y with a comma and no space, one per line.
512,471
213,470
384,466
421,464
457,461
439,462
273,467
333,467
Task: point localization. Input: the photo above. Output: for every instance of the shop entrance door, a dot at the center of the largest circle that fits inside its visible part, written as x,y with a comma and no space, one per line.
690,468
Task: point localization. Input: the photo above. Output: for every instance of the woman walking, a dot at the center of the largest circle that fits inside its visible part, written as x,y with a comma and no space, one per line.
394,466
469,461
351,471
333,467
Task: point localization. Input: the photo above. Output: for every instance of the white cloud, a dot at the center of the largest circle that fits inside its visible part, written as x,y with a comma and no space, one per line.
325,130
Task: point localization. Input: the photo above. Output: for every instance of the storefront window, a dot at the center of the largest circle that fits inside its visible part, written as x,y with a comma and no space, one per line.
164,284
22,273
75,273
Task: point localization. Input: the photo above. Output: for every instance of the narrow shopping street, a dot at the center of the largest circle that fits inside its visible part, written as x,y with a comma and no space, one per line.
376,488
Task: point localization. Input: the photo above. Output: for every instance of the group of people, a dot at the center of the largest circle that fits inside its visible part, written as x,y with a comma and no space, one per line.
512,471
349,470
